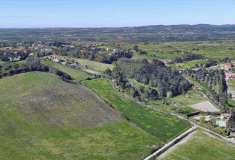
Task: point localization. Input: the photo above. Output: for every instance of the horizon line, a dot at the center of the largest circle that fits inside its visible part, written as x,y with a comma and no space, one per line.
131,26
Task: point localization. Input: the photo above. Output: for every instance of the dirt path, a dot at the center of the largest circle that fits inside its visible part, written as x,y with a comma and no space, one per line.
205,106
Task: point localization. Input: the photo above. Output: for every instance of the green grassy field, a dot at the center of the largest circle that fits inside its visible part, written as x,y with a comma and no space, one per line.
169,50
45,118
76,74
93,65
161,125
148,120
203,147
188,65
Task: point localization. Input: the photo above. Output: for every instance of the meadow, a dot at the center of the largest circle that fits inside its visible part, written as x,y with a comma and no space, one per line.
159,124
188,65
74,73
217,50
204,147
93,65
43,117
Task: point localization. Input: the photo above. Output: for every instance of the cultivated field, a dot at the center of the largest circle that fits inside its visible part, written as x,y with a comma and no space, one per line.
202,147
43,117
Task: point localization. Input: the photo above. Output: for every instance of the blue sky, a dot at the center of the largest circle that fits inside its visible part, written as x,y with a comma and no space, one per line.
113,13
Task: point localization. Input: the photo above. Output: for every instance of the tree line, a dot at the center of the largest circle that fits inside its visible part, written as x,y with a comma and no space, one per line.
32,64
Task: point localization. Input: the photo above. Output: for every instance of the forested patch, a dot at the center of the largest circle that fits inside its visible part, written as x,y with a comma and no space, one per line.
156,80
214,81
187,57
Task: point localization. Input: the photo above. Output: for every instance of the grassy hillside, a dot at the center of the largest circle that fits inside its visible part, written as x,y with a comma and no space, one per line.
75,74
43,117
161,125
203,147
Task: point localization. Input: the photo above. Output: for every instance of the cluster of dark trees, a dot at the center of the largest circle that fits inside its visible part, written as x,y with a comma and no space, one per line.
232,122
32,64
207,64
158,81
58,43
214,81
9,55
210,63
95,53
187,57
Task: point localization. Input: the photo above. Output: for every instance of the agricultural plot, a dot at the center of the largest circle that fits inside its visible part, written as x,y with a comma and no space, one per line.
43,117
205,106
201,146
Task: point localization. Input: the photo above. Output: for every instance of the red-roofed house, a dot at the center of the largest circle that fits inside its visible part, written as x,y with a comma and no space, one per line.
227,66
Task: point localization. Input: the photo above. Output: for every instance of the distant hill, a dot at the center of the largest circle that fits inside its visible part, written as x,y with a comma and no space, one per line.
125,34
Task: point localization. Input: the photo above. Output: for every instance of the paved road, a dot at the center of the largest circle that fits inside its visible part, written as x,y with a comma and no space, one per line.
171,144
